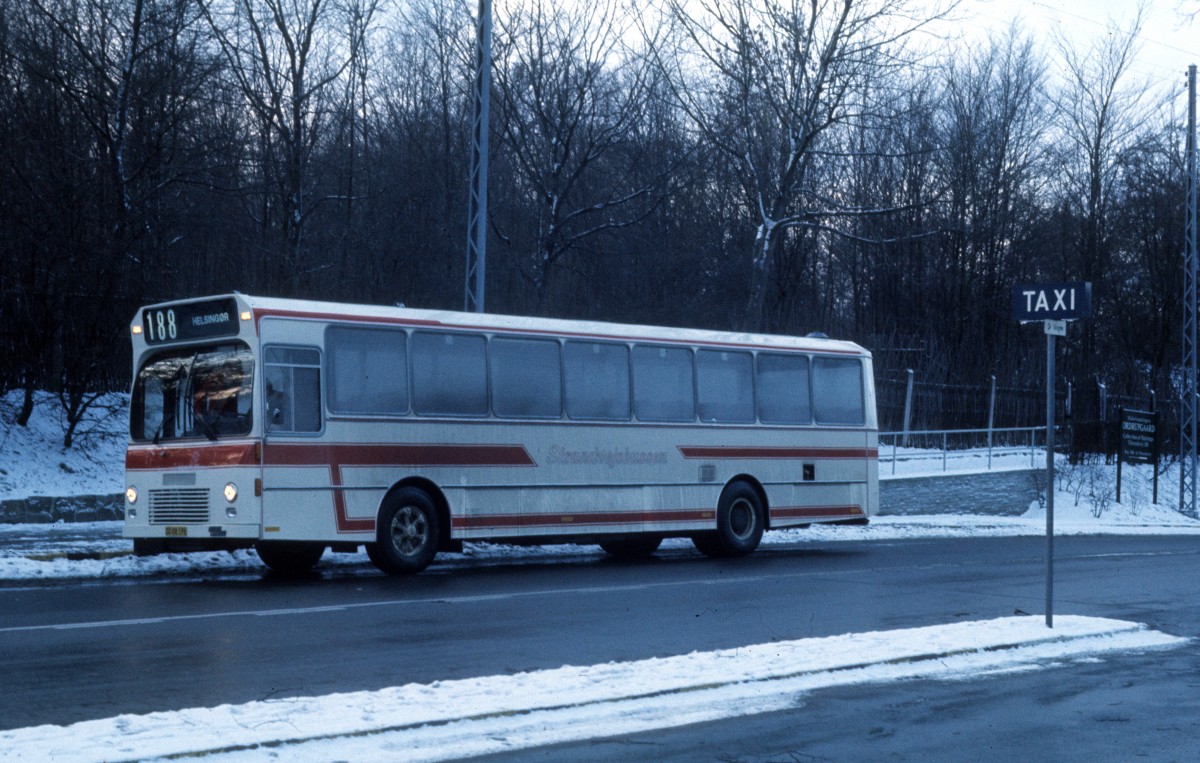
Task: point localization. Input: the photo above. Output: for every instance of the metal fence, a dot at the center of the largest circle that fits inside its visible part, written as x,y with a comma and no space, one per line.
1088,416
959,445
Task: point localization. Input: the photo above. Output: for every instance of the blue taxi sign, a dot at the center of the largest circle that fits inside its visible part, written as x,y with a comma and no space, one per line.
1052,301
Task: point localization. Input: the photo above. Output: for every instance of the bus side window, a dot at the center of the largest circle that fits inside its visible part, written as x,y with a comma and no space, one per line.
449,375
526,378
292,378
367,370
596,377
782,384
725,386
664,384
838,391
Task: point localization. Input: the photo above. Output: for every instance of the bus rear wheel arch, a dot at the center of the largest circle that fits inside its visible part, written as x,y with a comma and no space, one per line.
408,532
741,520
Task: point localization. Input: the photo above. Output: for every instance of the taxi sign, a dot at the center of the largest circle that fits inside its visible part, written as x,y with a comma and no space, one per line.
1052,301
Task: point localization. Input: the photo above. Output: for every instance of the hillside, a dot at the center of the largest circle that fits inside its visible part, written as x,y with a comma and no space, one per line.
33,461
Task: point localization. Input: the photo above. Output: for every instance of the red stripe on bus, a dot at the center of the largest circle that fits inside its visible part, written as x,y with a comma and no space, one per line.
346,523
586,518
337,457
191,456
816,512
277,454
736,451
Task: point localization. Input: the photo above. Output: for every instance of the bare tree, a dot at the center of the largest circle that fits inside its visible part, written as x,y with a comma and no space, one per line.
1099,112
288,58
1143,288
764,80
99,88
994,168
415,231
570,100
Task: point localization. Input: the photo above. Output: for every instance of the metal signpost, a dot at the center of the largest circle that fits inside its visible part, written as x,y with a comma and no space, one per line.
1053,304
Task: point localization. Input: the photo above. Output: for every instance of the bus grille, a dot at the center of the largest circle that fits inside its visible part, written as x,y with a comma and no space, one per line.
179,506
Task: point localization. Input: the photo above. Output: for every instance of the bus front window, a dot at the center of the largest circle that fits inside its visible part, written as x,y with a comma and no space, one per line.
192,393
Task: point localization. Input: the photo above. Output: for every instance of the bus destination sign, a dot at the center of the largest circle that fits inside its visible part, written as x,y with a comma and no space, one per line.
198,320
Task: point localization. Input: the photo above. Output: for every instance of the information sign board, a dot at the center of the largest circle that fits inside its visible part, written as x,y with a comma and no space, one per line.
1138,436
1055,328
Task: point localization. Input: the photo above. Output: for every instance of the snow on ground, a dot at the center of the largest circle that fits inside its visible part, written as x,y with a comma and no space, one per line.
33,460
477,716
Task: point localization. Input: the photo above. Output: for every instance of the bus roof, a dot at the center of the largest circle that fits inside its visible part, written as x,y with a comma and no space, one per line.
384,315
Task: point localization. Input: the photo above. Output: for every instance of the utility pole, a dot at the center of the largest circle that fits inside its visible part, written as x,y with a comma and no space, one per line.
477,204
1187,412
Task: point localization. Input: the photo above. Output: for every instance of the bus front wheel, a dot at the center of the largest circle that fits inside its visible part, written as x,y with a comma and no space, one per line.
740,524
407,534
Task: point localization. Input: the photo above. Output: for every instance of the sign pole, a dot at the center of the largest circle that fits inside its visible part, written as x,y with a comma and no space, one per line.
1120,454
1049,479
1155,470
1053,304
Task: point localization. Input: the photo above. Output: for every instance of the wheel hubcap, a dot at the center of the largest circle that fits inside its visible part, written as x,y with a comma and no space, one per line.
741,519
410,530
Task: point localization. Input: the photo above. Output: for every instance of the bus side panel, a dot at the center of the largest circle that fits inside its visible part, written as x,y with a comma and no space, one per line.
803,504
592,510
872,505
299,504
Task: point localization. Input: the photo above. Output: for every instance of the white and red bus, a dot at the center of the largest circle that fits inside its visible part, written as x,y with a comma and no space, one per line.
295,426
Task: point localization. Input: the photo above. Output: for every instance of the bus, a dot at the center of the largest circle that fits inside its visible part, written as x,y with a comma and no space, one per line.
294,427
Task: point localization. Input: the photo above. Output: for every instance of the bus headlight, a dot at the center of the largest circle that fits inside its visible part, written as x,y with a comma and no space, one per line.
131,494
231,492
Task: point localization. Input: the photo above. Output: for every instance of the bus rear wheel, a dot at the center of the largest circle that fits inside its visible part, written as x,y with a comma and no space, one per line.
290,557
740,524
407,534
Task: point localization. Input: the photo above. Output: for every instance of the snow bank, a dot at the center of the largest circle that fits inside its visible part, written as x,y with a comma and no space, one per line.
477,716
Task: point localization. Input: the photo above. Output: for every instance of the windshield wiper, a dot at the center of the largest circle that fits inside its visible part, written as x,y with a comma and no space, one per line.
205,425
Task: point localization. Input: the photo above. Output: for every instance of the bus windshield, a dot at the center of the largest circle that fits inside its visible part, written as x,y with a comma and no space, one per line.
192,393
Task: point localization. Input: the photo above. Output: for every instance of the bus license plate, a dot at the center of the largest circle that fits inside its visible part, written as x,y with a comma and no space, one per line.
176,532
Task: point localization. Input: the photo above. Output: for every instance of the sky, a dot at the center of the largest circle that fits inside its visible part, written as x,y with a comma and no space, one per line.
1170,38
